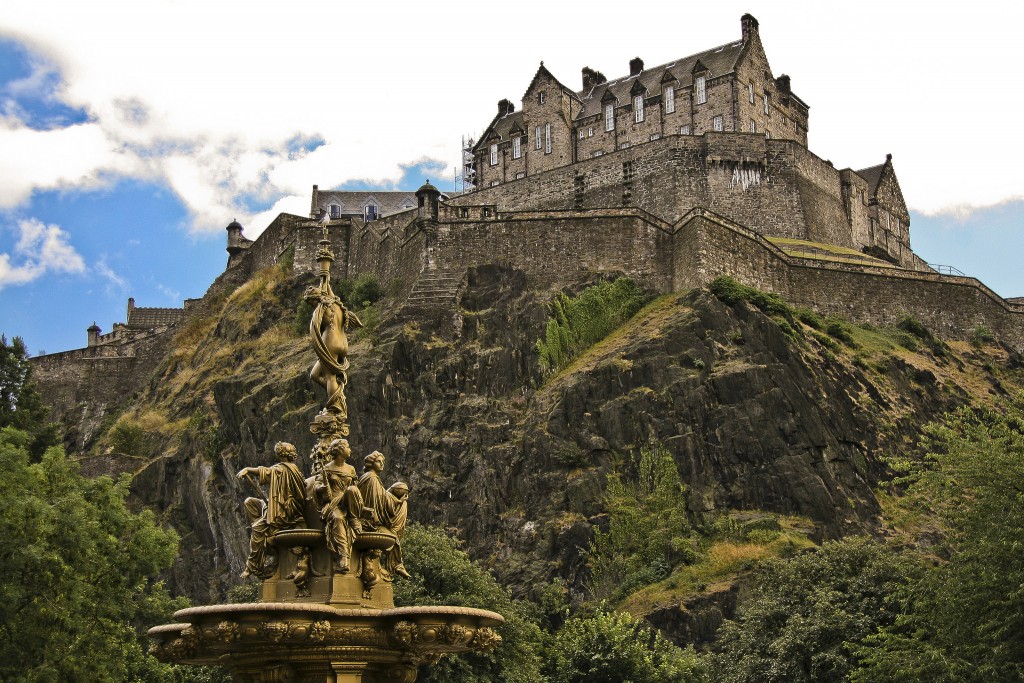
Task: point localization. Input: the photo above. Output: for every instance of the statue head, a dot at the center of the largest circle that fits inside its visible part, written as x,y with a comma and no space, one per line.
374,461
339,447
284,451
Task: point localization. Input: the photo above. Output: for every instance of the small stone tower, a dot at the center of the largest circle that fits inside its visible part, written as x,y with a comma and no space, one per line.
234,239
428,198
94,334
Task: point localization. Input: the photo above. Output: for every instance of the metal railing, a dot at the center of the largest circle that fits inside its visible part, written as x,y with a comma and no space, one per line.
947,270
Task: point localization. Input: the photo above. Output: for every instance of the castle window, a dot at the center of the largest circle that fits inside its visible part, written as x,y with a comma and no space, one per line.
517,147
335,211
590,132
494,154
370,212
597,153
581,133
609,117
540,98
766,103
495,183
750,91
638,108
670,100
624,145
768,134
753,126
520,175
718,122
547,138
536,138
684,130
654,136
702,91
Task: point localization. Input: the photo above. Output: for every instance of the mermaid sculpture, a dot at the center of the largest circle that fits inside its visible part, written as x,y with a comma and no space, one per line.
327,332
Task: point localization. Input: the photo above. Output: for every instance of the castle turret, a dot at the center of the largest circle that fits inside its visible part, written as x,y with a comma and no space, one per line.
234,239
94,334
428,198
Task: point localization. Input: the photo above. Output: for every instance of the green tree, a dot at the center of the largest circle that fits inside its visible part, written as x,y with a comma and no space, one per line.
20,404
648,531
607,647
805,614
965,620
77,585
442,574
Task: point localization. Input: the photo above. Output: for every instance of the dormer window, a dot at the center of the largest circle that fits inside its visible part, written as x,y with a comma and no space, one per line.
335,211
517,147
702,91
609,117
370,213
494,154
638,108
670,100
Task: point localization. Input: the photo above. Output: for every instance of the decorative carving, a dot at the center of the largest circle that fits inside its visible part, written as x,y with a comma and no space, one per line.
484,640
280,509
274,631
226,632
453,634
319,630
360,635
404,633
303,570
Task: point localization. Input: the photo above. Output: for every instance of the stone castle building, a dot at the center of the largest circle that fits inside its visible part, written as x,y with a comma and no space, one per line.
672,175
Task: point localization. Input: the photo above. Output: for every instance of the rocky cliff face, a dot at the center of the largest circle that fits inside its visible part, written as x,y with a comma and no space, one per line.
514,463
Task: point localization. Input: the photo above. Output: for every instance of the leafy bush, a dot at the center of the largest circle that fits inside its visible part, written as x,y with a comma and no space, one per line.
803,613
841,330
360,292
442,574
915,327
730,292
981,335
648,530
809,318
577,323
614,648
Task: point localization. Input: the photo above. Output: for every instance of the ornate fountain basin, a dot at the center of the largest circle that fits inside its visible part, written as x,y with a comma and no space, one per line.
304,642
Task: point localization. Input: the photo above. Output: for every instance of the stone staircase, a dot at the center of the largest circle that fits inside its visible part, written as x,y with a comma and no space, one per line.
433,300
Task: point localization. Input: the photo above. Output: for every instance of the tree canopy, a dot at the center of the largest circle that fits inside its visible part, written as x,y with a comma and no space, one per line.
76,590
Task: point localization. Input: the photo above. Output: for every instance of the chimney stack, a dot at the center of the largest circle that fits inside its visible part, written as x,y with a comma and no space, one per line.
636,65
505,107
785,90
589,79
749,26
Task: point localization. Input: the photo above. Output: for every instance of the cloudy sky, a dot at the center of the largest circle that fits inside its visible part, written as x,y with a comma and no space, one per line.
131,133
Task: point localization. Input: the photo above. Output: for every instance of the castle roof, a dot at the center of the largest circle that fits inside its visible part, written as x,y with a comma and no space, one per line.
144,317
352,202
502,126
717,61
872,175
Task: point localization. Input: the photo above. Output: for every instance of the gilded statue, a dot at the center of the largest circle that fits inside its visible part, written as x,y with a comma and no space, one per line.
327,332
387,509
282,508
341,503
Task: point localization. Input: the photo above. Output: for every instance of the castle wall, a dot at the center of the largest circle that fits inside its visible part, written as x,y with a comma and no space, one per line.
951,307
556,248
83,386
394,249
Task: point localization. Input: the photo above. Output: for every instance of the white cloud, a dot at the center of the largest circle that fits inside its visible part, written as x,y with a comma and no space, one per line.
115,280
40,249
207,97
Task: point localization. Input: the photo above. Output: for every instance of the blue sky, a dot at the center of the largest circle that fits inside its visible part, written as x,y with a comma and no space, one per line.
131,134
